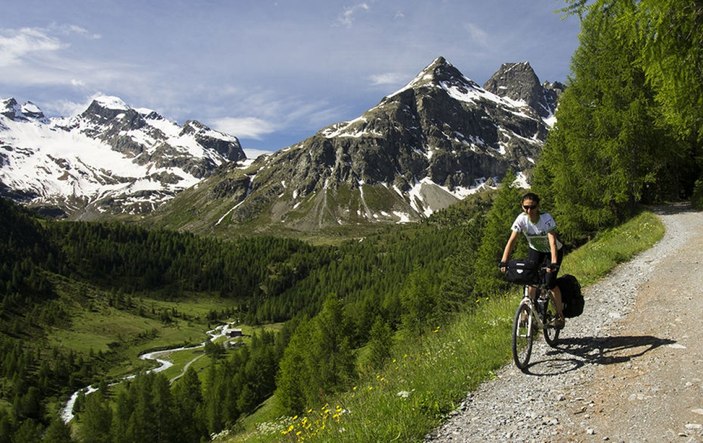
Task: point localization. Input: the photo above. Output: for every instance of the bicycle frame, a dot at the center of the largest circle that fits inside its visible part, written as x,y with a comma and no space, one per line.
533,315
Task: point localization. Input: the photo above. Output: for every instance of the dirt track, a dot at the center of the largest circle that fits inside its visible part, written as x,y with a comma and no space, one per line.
651,388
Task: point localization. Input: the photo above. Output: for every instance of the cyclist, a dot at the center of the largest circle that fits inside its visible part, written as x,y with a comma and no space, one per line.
544,246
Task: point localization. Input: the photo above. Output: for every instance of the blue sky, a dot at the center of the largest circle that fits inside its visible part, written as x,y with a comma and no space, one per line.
271,73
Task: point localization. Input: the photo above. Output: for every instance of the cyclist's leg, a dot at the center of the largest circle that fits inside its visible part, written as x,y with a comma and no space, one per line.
552,325
536,258
557,302
551,280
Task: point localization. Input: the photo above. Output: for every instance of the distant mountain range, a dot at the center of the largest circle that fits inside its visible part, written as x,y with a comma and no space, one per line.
110,158
431,143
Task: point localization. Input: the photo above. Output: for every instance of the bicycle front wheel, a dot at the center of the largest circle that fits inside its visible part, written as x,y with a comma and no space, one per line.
522,336
551,334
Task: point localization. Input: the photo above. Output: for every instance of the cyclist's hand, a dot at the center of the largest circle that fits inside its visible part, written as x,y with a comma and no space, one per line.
553,267
503,266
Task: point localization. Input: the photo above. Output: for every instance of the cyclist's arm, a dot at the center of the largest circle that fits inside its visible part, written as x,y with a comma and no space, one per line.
509,248
551,235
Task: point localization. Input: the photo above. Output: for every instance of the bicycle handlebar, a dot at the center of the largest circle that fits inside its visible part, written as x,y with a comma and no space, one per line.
540,268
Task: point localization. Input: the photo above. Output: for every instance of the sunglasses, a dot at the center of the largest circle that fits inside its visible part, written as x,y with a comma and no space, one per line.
527,207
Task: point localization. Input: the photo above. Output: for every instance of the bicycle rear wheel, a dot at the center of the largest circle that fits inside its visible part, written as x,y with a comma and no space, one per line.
551,334
522,336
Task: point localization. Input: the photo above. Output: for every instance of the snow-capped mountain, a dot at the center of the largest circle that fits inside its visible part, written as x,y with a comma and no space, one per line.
109,158
431,143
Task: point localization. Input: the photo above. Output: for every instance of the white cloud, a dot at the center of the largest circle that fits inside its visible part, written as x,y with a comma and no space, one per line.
16,45
246,127
348,16
74,29
65,108
388,78
477,34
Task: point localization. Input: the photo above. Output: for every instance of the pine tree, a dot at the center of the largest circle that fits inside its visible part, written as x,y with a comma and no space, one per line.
330,349
499,219
120,431
57,432
164,410
29,431
418,301
613,146
293,378
96,419
380,344
188,403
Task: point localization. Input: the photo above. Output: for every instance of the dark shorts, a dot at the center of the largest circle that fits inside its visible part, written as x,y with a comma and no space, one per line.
545,259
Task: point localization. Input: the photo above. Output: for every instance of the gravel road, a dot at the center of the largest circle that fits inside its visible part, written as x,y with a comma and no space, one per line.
630,369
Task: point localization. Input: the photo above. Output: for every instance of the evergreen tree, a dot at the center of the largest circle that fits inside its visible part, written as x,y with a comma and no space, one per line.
120,431
188,402
164,410
331,359
419,302
29,431
499,219
5,426
458,283
57,432
142,422
318,360
380,344
214,399
668,38
613,146
96,419
607,151
672,44
292,378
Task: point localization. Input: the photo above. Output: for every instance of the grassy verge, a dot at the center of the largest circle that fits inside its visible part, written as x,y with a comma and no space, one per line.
429,377
598,257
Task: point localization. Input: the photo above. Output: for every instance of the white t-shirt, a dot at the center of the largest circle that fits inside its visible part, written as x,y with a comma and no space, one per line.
536,233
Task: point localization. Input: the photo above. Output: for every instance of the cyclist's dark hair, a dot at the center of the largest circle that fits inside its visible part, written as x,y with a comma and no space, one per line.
530,196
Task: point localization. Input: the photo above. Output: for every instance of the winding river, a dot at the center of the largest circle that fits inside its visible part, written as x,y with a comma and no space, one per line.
221,331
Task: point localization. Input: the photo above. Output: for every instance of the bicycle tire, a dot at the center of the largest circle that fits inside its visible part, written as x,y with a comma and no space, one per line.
551,334
523,326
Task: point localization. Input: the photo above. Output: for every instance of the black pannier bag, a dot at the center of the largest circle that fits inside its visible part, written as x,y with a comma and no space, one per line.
522,272
571,295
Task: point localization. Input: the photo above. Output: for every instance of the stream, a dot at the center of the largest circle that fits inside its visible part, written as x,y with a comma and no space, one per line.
67,411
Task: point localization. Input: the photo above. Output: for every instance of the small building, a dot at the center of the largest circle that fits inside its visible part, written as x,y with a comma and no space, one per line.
232,333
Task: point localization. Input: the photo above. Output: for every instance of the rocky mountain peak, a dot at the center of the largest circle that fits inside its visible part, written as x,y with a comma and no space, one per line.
226,145
31,110
11,109
518,81
105,110
440,72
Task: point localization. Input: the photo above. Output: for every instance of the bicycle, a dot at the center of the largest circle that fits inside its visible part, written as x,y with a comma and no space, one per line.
532,316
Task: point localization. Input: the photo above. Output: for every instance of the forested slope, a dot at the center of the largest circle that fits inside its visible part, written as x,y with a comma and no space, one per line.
372,287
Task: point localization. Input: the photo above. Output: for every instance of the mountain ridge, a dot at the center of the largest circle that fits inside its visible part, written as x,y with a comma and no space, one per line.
109,158
422,148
